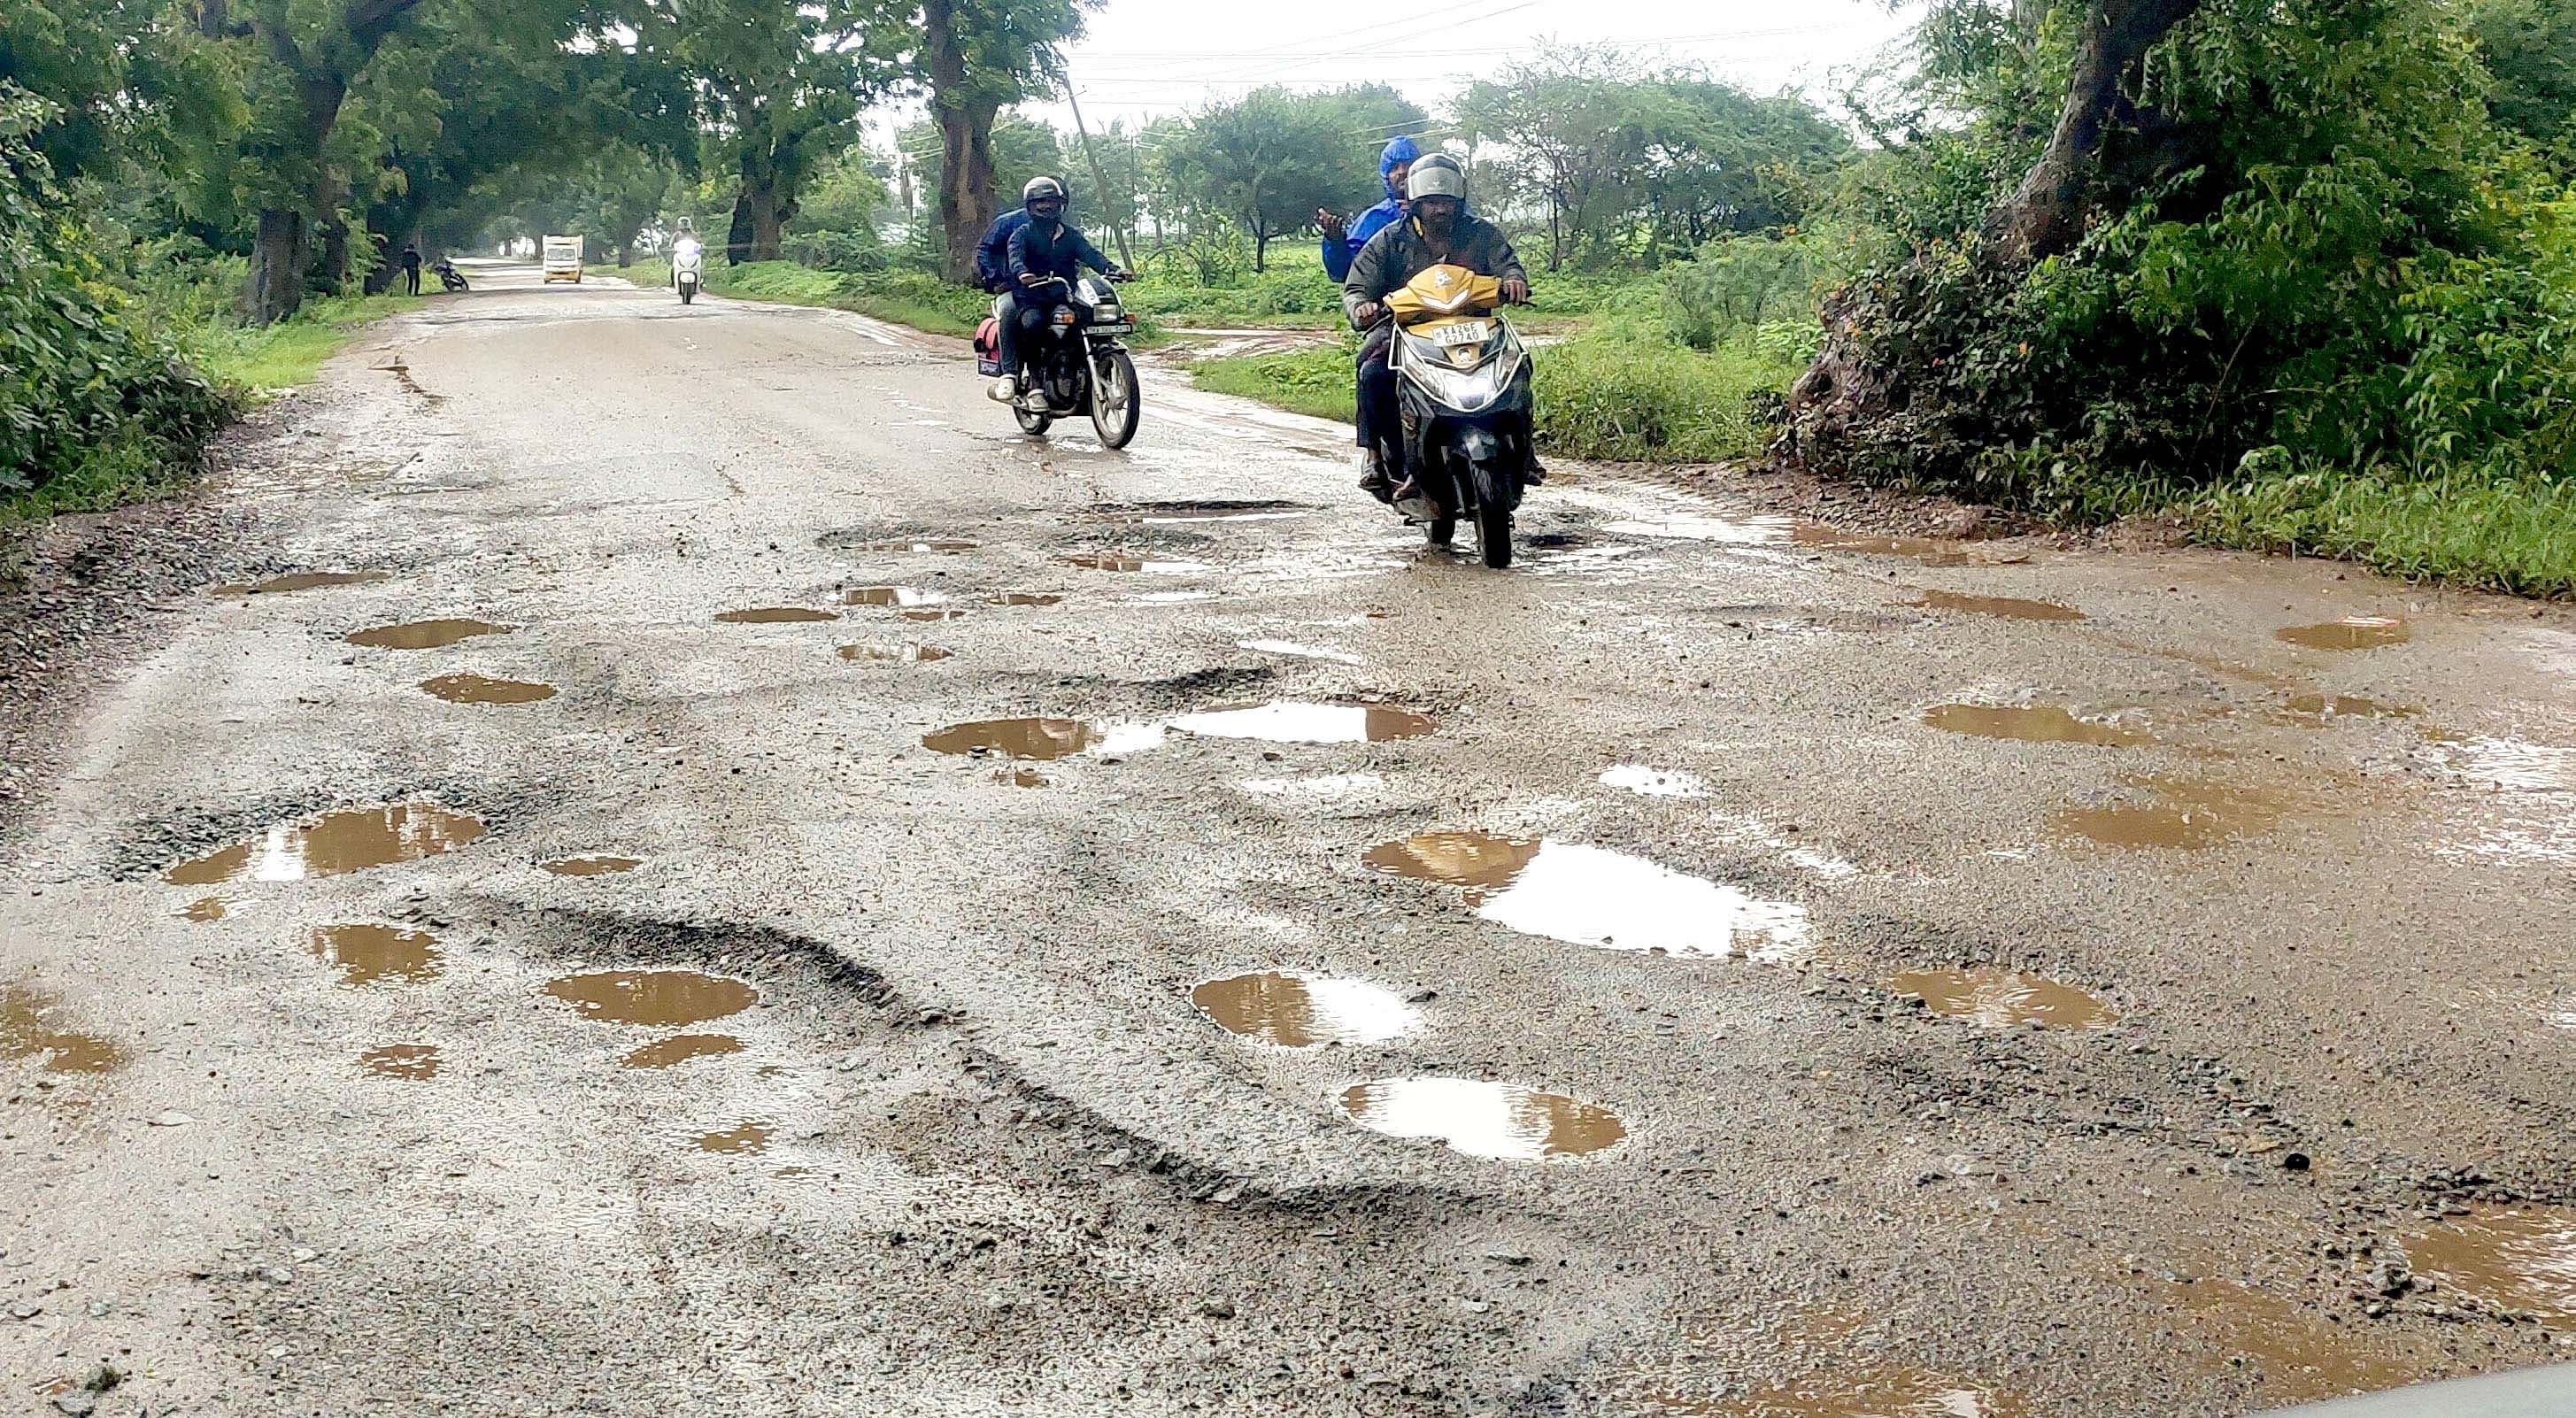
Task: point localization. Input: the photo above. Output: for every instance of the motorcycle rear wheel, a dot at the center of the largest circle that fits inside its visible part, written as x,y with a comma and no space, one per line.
1034,425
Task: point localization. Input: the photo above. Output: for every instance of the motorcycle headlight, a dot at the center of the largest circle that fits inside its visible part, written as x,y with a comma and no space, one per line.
1064,315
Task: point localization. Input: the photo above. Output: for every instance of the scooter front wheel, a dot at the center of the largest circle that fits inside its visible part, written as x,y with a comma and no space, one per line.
1493,515
1439,531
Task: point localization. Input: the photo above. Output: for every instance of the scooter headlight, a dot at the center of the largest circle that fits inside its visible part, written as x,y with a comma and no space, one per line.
687,249
1469,391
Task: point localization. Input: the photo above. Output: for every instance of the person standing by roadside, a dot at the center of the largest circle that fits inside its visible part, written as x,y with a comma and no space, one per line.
411,268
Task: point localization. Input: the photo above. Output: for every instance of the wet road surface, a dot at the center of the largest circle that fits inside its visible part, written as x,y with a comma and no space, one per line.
774,893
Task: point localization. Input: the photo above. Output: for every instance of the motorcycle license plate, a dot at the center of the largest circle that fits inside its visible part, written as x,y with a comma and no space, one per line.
1467,332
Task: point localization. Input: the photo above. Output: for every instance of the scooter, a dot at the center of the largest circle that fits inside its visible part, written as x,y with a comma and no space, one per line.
1074,364
1463,390
449,278
688,268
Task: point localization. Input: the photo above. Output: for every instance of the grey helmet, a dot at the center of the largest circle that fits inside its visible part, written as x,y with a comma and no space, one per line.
1438,175
1039,187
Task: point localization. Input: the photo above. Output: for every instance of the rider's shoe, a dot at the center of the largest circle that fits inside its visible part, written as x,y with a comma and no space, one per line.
1373,480
1006,389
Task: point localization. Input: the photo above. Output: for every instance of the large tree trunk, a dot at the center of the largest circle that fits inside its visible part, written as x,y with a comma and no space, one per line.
278,255
738,231
965,120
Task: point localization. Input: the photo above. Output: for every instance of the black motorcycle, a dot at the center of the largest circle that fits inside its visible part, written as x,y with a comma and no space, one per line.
449,276
1077,363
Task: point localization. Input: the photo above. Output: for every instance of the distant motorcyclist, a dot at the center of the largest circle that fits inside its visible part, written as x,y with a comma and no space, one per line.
993,272
1044,251
1342,242
1437,230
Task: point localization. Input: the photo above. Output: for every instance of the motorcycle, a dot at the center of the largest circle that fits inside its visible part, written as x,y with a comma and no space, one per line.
1463,389
1074,364
449,278
688,268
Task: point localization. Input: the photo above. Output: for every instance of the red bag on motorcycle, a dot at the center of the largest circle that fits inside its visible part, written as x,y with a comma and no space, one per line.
988,347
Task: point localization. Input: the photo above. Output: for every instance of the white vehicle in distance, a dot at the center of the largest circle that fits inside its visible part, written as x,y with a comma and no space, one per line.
563,259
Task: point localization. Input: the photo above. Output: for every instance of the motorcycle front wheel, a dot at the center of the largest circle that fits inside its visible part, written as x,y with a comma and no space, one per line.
688,294
1493,515
1114,405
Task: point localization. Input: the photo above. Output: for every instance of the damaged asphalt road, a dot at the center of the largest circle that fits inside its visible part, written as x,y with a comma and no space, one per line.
749,887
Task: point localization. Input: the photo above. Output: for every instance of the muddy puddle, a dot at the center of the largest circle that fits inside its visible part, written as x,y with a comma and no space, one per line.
775,615
365,953
2353,632
591,866
2298,1355
1118,561
1039,738
1873,1389
424,634
679,1049
748,1138
1022,598
300,581
946,546
669,998
2515,765
2032,723
1286,721
2323,708
1592,896
1217,510
893,654
2185,814
405,1061
28,1031
2010,607
1299,1011
1483,1119
206,908
351,839
481,689
2506,1258
1023,778
1294,650
1648,782
908,597
2000,999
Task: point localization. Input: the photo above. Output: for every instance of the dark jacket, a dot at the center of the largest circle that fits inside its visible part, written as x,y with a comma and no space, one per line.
1340,251
1400,253
1053,249
993,253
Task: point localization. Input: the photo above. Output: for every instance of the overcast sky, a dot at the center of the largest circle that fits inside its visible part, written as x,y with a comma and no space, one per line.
1142,59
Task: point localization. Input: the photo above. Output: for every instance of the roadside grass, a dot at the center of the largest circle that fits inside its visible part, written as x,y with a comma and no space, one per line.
262,364
1315,382
2506,532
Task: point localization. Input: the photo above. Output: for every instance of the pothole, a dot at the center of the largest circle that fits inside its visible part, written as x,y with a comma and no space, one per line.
2516,765
2185,814
481,689
775,615
2299,1355
424,634
669,998
25,1033
1294,650
1504,1121
404,1061
2000,999
947,546
2031,723
1592,896
1648,782
2353,632
1119,561
1039,738
906,596
350,839
679,1049
299,581
2507,1258
2010,607
206,908
1286,721
1873,1389
591,866
365,952
2326,708
893,654
1022,598
752,1137
1300,1011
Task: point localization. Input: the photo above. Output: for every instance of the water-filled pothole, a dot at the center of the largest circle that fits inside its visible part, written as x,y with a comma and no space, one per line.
2031,723
1036,737
748,1138
206,908
300,581
1022,598
679,1049
776,615
365,952
1303,652
2299,1354
424,634
2010,607
906,596
1119,561
350,839
1484,1119
480,689
2187,814
1592,896
669,998
1999,999
2508,1258
893,654
2353,632
1300,1011
1287,721
25,1033
404,1061
949,546
1872,1389
592,865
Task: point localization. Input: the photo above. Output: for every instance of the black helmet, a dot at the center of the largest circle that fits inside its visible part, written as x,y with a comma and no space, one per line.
1438,175
1041,188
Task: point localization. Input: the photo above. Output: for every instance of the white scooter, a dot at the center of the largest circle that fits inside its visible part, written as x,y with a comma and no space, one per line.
688,268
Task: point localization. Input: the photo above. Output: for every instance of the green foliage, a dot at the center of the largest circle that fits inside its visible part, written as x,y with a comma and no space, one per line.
1271,159
2529,46
1735,285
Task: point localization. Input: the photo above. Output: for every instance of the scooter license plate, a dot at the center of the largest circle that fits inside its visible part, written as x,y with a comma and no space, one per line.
1467,332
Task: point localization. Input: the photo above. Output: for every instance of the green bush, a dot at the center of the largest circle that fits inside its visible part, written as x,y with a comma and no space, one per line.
1732,287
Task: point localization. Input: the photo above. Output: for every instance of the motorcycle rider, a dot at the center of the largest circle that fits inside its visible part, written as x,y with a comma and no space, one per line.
1342,243
993,273
1437,230
1045,249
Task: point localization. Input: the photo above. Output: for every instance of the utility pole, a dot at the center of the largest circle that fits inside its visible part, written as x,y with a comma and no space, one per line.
1099,182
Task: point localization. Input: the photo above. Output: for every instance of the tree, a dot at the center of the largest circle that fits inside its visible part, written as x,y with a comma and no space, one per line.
972,59
2530,48
1271,158
1578,121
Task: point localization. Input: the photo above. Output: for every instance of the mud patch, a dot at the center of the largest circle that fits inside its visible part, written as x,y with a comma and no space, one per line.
1287,721
591,866
2326,708
1482,1119
893,654
2184,814
945,546
348,840
299,581
2507,1258
669,998
1592,896
205,908
2353,632
405,1061
679,1049
2000,999
2010,607
365,953
1022,778
25,1034
748,1138
932,613
907,596
2031,723
1294,650
1022,598
424,634
775,615
480,689
2298,1355
1300,1011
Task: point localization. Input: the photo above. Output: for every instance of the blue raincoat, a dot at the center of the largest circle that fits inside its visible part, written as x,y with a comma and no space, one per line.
1340,251
993,255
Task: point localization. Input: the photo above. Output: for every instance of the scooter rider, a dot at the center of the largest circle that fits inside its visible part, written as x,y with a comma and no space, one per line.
1343,243
993,272
1438,230
1044,250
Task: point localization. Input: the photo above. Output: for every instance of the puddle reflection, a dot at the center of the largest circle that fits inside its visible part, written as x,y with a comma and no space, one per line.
424,634
1592,896
351,839
1999,999
1300,1011
1498,1120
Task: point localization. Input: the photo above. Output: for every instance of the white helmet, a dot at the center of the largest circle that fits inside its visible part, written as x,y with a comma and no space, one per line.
1438,175
1041,187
